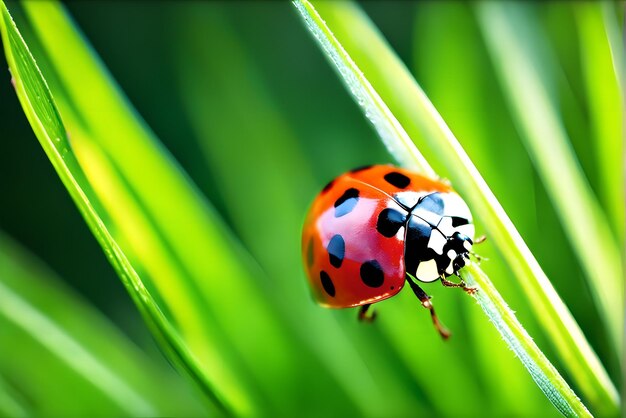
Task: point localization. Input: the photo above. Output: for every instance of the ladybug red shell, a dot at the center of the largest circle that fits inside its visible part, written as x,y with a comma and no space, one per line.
371,226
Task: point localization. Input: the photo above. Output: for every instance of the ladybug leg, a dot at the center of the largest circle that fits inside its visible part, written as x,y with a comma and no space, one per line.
461,284
426,303
363,316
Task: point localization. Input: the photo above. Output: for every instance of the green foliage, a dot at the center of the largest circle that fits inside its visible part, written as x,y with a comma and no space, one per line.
245,109
527,81
340,16
75,347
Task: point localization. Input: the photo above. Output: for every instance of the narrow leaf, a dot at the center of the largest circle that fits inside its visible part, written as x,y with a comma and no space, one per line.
200,274
452,66
349,21
541,370
93,363
526,84
10,403
602,55
42,113
396,86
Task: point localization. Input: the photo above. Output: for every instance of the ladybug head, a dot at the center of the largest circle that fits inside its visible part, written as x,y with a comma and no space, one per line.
458,248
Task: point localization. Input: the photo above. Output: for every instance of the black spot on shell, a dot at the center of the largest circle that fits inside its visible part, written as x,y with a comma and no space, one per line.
336,250
328,186
346,202
372,274
389,222
397,179
309,253
362,168
327,283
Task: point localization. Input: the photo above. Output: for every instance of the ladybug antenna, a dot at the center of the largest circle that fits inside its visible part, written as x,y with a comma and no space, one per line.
478,258
426,303
480,239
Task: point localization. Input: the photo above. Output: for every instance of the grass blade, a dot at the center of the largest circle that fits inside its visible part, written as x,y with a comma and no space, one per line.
170,231
91,362
346,22
453,68
389,129
45,120
542,371
602,54
10,403
527,88
21,314
417,115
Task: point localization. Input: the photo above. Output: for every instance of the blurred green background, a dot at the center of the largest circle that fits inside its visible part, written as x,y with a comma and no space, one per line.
249,107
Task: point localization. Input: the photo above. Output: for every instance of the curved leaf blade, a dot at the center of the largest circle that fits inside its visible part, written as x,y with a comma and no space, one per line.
602,58
424,124
42,113
346,21
79,347
527,88
10,403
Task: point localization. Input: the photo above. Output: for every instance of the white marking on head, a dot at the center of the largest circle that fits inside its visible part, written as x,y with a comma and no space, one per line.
427,271
445,226
454,205
437,241
450,268
451,254
467,245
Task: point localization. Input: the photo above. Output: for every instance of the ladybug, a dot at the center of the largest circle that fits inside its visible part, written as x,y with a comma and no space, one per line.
374,228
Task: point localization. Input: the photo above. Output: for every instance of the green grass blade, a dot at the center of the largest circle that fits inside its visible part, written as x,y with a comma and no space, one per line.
542,371
19,312
11,405
218,93
528,91
88,363
45,121
170,233
395,85
602,54
453,69
389,129
400,146
383,66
